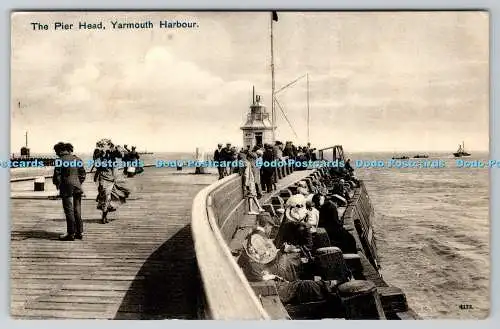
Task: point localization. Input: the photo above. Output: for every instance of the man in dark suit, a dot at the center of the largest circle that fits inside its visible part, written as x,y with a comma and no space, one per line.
68,181
267,171
218,156
227,156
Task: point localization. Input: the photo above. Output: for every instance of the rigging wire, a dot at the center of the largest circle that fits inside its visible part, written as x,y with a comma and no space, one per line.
284,115
289,84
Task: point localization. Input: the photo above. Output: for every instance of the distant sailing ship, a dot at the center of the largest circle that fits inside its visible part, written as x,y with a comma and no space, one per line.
461,151
146,152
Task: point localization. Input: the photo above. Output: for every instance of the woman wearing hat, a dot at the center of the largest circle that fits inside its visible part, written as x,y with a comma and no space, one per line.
112,190
259,263
250,189
252,157
296,238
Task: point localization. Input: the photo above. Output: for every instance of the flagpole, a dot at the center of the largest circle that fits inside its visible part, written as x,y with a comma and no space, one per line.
273,112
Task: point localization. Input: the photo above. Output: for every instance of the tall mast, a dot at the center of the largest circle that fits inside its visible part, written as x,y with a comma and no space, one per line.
26,139
307,76
273,112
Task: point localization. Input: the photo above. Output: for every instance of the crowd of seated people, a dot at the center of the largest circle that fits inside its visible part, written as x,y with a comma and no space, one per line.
285,248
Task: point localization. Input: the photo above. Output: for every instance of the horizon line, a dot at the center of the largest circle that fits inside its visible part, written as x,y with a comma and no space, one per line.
401,152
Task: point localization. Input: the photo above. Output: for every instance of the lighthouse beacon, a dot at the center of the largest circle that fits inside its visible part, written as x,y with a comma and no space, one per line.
258,129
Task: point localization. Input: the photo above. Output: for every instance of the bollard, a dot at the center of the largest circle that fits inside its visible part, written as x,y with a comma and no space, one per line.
39,184
361,300
331,264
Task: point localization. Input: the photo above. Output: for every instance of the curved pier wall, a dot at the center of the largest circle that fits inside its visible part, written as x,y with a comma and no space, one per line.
216,213
228,204
227,293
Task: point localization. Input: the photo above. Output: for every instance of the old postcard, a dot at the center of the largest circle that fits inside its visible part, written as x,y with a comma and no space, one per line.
250,165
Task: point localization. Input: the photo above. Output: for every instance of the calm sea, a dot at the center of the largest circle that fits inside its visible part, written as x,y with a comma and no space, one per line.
432,230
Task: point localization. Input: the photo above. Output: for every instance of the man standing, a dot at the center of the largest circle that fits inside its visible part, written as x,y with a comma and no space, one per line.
218,157
267,171
227,156
68,181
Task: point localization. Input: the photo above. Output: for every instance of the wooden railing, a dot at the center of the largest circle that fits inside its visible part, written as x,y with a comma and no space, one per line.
228,295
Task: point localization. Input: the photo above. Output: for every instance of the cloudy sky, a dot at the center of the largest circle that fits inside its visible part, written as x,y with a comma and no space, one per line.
378,81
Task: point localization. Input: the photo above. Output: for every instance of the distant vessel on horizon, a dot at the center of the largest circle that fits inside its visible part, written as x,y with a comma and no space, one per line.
421,156
461,151
25,155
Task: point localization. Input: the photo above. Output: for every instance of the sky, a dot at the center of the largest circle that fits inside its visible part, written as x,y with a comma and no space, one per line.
378,81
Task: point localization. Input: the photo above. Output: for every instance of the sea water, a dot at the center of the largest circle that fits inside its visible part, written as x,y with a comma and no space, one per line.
432,231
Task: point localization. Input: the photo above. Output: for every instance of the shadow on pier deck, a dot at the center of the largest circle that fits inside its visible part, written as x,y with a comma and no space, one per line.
140,266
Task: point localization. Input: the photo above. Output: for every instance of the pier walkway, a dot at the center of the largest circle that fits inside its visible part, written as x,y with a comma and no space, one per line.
139,266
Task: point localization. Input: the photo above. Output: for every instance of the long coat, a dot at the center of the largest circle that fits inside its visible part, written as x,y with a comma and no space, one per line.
69,179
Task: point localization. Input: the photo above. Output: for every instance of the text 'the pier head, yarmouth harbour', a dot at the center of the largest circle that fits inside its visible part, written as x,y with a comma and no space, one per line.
114,25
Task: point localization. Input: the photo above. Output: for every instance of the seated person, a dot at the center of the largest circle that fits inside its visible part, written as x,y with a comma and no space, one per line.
334,226
312,214
262,261
303,191
317,185
296,230
354,180
302,184
267,224
339,189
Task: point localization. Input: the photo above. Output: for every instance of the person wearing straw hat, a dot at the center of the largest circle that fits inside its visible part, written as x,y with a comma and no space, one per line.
296,236
258,262
112,189
295,208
